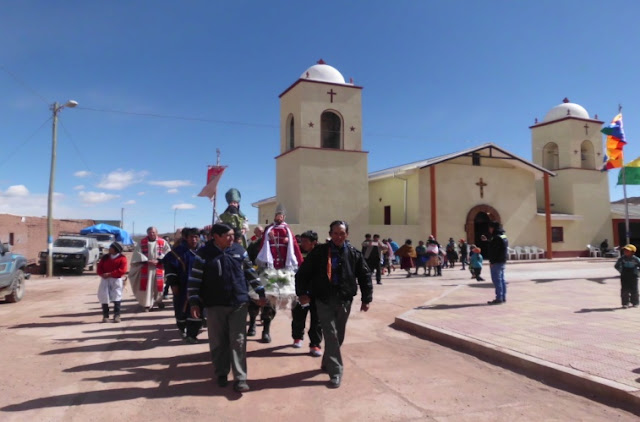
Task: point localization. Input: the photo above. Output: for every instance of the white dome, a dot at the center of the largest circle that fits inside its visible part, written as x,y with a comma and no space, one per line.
566,109
324,73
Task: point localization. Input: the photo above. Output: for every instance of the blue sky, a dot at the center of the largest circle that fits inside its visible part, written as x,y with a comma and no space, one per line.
438,76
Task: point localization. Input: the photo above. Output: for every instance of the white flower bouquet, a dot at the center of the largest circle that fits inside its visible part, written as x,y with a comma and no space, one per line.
280,287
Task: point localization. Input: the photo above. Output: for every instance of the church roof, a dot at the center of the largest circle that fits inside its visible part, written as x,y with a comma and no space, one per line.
494,151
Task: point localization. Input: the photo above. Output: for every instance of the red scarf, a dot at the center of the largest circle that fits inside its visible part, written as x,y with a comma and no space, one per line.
144,273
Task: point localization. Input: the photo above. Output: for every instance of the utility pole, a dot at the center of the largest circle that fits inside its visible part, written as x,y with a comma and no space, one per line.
55,107
122,218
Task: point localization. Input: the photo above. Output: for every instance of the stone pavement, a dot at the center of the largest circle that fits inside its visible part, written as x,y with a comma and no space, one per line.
562,319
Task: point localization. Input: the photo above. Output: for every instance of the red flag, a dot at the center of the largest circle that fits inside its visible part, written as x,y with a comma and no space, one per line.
214,173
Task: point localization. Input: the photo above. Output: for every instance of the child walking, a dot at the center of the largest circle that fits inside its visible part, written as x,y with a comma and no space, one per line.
476,263
111,267
628,265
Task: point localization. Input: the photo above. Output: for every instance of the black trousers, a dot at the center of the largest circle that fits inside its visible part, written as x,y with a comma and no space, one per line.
116,309
629,288
476,272
186,324
299,317
268,312
374,264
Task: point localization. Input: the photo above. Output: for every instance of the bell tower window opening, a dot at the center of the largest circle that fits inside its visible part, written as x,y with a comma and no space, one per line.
475,159
331,130
587,158
291,142
550,159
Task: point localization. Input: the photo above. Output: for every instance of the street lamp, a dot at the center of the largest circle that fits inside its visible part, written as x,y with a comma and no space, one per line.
56,108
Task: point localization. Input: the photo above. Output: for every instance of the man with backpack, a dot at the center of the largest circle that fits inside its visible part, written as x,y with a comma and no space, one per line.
219,282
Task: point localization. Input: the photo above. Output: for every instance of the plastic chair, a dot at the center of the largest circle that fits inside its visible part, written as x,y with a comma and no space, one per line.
520,252
538,252
594,252
528,252
512,252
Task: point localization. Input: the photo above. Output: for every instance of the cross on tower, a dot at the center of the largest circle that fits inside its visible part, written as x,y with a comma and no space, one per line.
481,184
332,94
586,129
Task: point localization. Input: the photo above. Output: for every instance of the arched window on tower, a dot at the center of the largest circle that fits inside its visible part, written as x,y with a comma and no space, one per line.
291,141
550,159
331,130
586,155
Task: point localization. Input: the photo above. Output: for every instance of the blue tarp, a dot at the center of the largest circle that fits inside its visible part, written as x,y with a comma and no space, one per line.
122,236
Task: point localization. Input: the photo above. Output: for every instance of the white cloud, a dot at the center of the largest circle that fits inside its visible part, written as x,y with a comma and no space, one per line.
96,197
82,173
141,193
130,202
17,190
119,179
78,187
172,191
171,184
183,206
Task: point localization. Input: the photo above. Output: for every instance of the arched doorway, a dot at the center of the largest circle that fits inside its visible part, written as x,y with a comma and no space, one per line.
477,224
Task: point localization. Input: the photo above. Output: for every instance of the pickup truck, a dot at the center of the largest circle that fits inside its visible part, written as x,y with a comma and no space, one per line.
72,251
12,274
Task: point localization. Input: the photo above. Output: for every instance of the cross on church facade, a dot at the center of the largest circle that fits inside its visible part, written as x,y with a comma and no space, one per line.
586,129
332,94
481,184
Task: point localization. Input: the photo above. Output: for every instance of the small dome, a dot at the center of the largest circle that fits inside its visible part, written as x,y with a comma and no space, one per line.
324,73
566,109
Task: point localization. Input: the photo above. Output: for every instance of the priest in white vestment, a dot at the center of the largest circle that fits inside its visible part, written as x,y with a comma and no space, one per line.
147,272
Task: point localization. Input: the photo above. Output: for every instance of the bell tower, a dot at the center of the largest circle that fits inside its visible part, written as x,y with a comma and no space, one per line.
569,143
321,170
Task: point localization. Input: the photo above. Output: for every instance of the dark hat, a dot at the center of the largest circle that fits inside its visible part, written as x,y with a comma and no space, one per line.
117,246
233,195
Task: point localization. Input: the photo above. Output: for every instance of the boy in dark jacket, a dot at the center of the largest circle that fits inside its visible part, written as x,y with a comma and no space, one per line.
628,265
331,274
498,255
219,282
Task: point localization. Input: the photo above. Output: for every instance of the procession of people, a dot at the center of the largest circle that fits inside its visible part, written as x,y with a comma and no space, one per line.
223,281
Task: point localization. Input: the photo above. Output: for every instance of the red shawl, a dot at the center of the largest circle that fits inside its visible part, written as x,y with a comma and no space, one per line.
144,273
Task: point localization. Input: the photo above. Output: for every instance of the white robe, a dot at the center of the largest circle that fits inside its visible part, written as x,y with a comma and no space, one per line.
146,298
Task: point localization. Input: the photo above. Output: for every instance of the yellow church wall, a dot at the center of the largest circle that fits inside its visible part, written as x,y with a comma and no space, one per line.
391,192
317,186
290,104
266,212
509,191
568,135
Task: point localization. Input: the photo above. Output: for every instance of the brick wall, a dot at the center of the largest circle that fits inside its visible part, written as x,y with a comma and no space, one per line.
30,233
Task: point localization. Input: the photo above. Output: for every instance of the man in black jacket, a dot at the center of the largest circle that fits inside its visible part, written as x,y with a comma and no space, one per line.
219,282
332,273
498,254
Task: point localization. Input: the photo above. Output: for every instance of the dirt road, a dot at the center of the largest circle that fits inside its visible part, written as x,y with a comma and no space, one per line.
61,364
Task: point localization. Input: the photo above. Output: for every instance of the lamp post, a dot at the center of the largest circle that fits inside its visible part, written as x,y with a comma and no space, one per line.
175,211
56,108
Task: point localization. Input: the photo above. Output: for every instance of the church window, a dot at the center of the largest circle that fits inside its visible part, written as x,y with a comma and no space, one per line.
290,132
475,159
557,234
586,155
331,130
550,156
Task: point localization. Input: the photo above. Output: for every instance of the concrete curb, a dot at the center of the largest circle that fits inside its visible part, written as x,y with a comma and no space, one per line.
595,388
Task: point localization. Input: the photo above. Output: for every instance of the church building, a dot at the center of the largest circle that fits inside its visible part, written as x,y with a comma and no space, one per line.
558,201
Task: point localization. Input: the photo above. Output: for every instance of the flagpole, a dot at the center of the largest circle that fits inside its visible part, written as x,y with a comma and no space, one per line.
215,215
624,190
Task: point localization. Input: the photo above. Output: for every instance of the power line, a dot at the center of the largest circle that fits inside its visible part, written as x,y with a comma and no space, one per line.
23,143
23,84
74,145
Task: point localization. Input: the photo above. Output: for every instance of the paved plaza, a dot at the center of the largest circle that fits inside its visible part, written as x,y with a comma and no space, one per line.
61,364
565,315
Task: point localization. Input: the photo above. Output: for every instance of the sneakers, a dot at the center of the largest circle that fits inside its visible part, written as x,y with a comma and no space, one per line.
266,337
191,340
105,320
241,386
625,306
222,381
160,305
116,318
315,352
297,343
495,302
251,331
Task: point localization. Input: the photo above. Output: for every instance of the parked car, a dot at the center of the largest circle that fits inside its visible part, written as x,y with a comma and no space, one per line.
72,251
12,274
104,240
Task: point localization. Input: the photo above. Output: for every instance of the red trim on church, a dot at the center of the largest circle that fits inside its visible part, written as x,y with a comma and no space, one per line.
566,118
322,149
318,82
434,204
